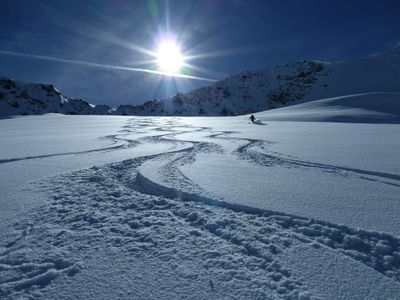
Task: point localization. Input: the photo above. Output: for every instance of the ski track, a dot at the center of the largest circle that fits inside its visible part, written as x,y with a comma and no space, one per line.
117,142
118,206
271,158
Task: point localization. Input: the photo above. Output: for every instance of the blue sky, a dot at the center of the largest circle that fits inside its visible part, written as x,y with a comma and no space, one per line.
227,36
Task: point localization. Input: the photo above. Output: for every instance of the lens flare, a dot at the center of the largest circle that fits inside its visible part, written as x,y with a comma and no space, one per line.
169,57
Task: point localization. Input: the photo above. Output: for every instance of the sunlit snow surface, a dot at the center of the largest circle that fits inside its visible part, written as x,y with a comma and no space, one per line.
99,207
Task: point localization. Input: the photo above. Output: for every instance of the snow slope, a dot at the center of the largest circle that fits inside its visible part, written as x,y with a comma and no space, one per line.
358,108
62,143
245,92
288,84
21,98
104,207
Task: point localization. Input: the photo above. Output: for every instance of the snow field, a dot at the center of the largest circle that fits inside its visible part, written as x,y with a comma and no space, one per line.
239,247
163,177
146,221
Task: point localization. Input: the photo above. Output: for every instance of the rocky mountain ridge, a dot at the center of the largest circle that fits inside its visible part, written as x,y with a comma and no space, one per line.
241,93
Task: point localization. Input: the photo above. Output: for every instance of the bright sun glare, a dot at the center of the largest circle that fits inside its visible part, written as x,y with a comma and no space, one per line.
169,57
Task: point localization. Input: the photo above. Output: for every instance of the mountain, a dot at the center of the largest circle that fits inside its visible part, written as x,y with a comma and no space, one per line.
21,98
302,81
242,93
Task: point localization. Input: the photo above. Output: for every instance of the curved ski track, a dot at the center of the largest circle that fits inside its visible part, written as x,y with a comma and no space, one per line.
117,205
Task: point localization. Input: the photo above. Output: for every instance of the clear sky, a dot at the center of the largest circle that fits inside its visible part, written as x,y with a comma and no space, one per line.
81,45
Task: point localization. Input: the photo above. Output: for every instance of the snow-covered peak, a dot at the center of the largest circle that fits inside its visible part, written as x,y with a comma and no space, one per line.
283,85
302,81
21,98
241,93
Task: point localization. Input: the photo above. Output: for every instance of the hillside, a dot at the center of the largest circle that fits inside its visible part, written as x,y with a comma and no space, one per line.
20,98
284,85
357,108
242,93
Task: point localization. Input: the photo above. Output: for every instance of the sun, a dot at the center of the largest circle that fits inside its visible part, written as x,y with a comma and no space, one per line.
169,57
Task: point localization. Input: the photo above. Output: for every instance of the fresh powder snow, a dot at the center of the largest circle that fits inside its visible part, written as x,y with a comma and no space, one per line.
303,204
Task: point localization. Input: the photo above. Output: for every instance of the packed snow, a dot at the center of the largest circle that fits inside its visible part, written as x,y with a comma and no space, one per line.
294,206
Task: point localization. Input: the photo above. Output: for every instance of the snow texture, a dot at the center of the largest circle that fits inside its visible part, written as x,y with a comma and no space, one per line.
167,208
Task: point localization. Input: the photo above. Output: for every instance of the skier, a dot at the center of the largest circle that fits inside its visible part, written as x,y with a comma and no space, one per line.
252,118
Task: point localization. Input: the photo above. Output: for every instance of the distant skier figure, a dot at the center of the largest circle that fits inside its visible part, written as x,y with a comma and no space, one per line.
252,118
